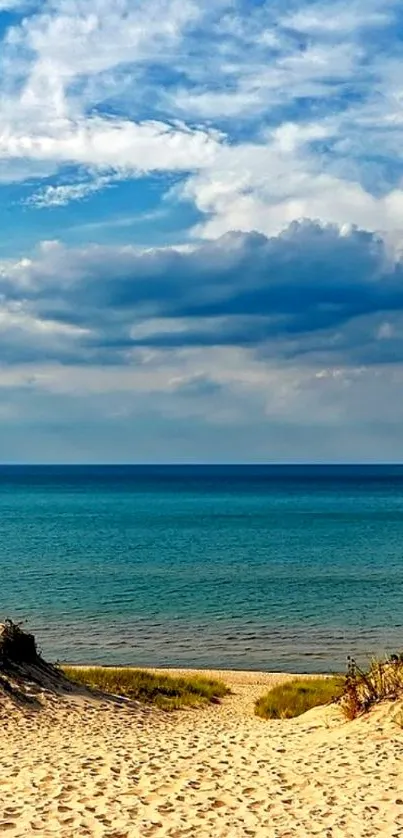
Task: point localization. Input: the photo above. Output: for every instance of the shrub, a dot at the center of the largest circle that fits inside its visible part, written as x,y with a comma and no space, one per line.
297,696
383,680
165,691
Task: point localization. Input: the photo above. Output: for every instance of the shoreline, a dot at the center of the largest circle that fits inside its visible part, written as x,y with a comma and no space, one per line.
193,670
207,671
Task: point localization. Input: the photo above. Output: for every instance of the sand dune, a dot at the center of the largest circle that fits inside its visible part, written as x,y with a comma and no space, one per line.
80,768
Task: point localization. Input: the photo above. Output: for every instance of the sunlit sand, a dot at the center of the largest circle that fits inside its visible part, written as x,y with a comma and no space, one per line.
86,767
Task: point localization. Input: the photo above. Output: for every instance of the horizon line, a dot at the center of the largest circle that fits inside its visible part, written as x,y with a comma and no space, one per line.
240,464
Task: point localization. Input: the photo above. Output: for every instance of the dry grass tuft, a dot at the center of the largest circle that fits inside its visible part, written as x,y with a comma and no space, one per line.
164,691
383,681
296,697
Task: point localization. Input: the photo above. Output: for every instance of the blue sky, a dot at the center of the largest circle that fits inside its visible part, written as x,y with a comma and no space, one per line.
201,209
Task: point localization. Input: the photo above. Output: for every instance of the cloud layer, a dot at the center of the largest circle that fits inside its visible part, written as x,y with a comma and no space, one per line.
202,225
311,293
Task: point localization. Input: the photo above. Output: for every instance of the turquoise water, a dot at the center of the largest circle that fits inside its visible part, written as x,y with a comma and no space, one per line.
242,567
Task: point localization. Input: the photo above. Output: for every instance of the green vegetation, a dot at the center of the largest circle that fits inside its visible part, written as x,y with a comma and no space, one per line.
164,691
297,696
356,693
383,681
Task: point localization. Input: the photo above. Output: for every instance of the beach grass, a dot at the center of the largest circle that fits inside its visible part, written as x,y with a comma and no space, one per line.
297,696
164,691
382,681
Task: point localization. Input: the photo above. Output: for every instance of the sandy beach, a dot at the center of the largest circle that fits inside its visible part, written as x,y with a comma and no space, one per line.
81,767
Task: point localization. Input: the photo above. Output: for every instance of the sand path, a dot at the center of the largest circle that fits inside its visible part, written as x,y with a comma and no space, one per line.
80,768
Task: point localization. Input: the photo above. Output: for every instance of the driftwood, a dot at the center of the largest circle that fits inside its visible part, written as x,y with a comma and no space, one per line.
23,672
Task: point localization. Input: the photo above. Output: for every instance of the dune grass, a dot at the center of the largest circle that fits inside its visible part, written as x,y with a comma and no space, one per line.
165,691
297,696
383,681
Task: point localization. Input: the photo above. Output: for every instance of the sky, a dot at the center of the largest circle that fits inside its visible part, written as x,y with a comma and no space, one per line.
201,215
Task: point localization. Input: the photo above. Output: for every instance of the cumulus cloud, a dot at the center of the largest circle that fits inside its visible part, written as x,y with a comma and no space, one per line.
266,185
313,293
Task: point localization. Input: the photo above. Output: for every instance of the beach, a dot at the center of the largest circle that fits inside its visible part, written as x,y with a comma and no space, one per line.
81,766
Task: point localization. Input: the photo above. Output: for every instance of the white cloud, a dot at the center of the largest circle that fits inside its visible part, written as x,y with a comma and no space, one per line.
326,158
256,81
59,196
343,172
12,5
116,144
43,109
265,186
345,18
86,37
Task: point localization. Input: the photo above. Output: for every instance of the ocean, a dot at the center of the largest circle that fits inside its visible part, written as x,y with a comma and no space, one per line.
243,567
